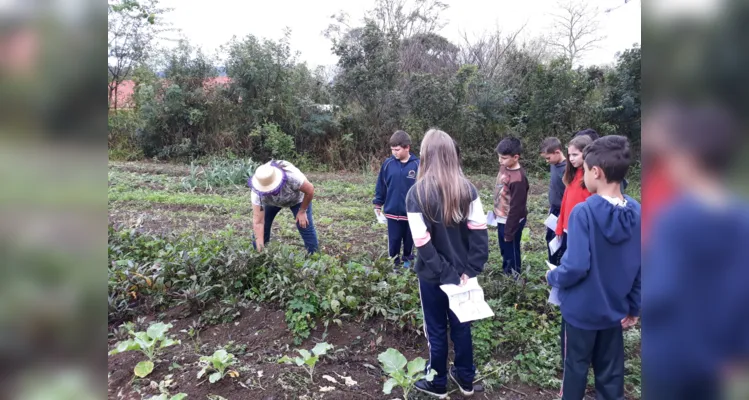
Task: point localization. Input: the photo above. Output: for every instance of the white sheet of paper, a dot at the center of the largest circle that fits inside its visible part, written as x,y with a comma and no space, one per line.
491,220
554,295
467,302
381,217
555,244
551,222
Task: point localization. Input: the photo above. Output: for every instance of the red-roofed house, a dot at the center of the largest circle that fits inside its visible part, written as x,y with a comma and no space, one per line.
126,89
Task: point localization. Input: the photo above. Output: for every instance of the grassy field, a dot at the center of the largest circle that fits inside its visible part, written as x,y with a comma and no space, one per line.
151,207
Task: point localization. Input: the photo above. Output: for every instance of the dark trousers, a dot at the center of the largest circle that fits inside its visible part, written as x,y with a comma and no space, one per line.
435,306
400,233
602,348
309,234
561,342
510,250
703,388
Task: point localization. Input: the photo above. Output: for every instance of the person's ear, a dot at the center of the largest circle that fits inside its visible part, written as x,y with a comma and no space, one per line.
597,172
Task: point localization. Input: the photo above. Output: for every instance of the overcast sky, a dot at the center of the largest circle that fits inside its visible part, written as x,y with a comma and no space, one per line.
209,24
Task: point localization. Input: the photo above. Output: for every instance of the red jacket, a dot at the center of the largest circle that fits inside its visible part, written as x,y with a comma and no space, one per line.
573,195
657,191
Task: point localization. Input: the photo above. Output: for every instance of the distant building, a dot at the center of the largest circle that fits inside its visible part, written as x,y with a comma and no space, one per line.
126,90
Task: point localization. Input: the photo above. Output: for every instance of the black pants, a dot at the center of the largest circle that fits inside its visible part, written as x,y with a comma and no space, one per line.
400,233
602,348
437,317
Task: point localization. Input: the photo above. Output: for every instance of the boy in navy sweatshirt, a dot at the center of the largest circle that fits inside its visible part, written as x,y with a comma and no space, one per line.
599,276
397,175
551,151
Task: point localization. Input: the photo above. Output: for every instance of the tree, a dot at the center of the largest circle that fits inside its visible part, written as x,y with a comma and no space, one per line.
575,30
487,51
397,19
428,52
400,19
622,97
133,27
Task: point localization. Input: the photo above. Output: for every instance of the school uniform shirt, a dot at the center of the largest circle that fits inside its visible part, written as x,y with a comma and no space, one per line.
573,195
290,195
511,199
447,252
393,183
556,185
599,277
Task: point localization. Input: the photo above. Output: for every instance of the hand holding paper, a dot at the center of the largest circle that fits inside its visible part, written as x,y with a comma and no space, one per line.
467,301
554,295
551,222
380,217
491,219
555,244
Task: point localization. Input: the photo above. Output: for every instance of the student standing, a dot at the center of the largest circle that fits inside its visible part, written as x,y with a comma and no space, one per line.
575,191
510,203
599,277
449,228
551,151
397,176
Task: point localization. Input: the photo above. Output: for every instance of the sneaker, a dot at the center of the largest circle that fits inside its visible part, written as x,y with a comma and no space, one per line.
430,389
407,264
465,388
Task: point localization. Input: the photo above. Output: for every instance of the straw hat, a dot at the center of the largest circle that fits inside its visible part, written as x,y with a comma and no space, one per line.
267,178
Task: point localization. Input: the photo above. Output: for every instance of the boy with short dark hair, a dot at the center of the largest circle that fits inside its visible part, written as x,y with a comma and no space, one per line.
397,175
599,276
551,150
510,203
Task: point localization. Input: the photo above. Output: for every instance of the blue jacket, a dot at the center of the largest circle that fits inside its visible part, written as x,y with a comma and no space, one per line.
599,276
696,314
393,183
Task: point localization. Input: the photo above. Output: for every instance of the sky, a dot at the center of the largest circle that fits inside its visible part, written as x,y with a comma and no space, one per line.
210,24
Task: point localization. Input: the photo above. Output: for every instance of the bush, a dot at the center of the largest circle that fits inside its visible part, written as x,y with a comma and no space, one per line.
276,142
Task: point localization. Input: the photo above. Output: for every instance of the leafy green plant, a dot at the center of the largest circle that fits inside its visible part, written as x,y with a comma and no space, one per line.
219,362
308,360
193,332
393,363
149,343
219,173
300,314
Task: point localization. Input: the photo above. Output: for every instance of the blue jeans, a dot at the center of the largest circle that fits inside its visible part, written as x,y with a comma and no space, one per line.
437,316
309,234
510,250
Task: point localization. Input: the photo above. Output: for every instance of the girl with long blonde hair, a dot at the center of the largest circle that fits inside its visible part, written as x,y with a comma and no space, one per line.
448,225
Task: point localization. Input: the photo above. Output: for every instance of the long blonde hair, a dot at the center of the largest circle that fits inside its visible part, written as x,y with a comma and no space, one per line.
440,176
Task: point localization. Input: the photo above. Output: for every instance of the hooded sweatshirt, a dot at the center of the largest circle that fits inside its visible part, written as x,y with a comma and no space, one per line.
599,277
393,183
